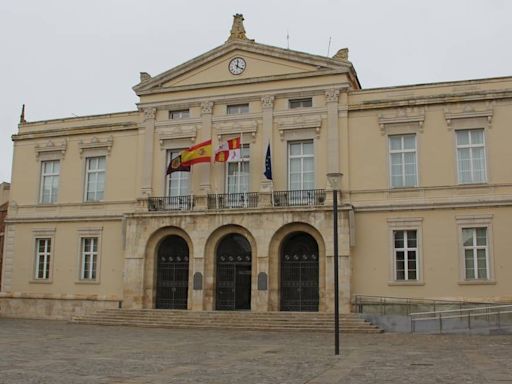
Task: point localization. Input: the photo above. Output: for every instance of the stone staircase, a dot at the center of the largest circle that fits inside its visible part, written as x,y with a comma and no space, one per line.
256,321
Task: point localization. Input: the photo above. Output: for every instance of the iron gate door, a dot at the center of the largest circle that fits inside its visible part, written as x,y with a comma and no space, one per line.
172,274
233,282
299,274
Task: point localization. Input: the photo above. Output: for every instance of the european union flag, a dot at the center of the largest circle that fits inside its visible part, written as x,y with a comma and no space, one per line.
268,164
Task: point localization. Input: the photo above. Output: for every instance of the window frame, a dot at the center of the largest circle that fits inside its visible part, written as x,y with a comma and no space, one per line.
237,109
168,178
88,233
470,146
302,157
403,151
299,103
47,255
243,160
88,172
53,199
179,114
405,249
86,275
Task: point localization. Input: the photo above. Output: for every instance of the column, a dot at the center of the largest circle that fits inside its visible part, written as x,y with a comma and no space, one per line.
204,134
147,170
333,138
267,104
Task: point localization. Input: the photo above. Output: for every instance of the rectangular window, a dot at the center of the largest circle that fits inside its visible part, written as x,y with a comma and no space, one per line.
88,258
300,103
237,178
471,156
402,160
177,182
43,258
301,165
178,115
476,253
405,251
95,178
237,109
49,190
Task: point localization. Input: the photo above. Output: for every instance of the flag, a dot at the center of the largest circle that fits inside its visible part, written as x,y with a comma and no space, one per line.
268,164
176,165
199,153
228,151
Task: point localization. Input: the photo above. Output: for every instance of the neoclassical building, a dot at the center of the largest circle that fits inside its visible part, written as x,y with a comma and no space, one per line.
94,221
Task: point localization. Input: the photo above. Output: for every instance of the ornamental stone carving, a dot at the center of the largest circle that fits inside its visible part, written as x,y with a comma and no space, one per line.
332,95
267,101
206,107
149,114
237,29
342,54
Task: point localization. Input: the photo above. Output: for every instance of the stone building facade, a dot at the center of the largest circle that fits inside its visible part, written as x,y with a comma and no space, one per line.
426,196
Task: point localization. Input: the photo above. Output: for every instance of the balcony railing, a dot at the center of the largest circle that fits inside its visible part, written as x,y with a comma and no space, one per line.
171,203
233,200
311,197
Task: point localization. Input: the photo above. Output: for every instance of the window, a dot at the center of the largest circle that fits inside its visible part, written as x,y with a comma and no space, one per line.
301,173
405,253
300,103
177,182
471,156
88,258
476,253
43,258
181,114
237,109
49,181
402,160
95,178
237,180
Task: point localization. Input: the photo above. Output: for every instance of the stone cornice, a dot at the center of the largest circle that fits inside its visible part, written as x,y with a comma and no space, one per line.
63,132
51,147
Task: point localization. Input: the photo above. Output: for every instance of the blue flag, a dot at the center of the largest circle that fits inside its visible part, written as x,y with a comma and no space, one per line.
268,164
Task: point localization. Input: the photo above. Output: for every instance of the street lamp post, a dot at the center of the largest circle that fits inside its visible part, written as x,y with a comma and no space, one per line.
334,181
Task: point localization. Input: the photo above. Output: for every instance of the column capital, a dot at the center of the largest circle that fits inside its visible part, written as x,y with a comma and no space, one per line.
332,95
149,114
267,101
206,107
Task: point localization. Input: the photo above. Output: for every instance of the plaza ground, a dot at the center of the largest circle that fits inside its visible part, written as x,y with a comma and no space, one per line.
37,351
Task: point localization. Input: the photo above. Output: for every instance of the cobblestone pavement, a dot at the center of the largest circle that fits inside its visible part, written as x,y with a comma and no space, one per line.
37,351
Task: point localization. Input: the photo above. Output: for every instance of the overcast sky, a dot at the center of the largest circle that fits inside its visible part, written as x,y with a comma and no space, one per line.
64,58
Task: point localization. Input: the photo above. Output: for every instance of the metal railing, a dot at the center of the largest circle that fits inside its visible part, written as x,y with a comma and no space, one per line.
171,203
295,198
468,317
383,305
233,200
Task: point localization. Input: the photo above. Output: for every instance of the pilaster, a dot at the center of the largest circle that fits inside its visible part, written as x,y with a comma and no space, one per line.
267,104
204,134
333,140
147,170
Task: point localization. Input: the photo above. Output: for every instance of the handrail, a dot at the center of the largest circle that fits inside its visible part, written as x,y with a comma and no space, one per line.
466,313
419,299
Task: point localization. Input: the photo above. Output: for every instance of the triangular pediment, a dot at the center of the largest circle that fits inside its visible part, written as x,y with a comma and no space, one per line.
263,62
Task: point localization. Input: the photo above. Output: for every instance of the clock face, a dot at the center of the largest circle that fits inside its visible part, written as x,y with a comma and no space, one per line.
237,66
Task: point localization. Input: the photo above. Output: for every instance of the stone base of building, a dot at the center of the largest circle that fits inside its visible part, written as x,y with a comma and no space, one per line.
51,306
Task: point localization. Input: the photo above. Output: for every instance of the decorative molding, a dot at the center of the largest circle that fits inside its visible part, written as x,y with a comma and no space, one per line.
332,95
206,107
96,143
342,54
404,118
236,127
188,132
149,114
59,150
267,101
299,122
468,114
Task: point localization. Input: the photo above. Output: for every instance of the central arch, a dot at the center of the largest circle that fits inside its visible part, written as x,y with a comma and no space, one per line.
233,273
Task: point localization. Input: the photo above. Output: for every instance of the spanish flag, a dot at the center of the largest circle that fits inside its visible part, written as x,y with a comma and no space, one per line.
228,151
199,153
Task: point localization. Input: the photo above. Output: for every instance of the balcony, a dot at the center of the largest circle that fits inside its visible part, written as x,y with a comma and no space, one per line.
247,200
171,203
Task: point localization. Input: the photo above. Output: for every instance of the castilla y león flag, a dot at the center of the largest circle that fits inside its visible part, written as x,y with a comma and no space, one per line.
228,151
199,153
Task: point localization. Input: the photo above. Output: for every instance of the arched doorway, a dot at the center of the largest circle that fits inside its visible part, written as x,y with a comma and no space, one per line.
233,277
172,273
299,273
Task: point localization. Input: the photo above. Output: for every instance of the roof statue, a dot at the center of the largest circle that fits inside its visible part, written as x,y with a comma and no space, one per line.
342,54
238,30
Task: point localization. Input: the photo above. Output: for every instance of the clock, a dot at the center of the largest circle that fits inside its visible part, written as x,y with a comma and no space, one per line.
237,66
